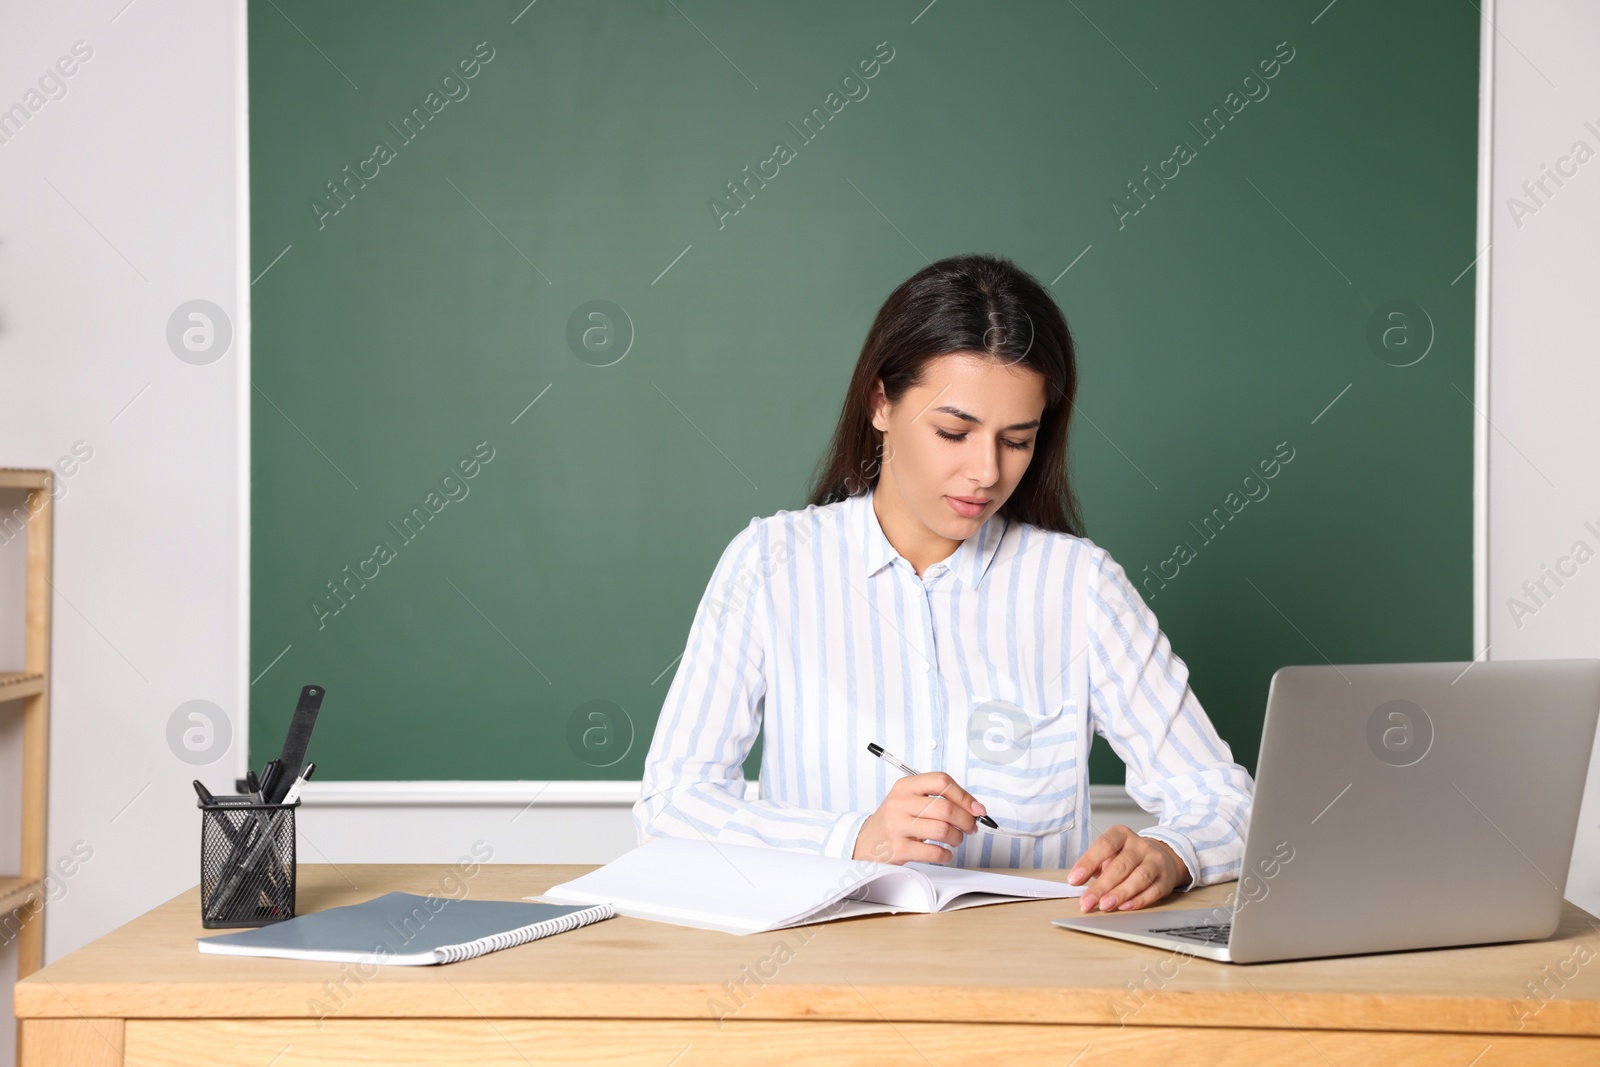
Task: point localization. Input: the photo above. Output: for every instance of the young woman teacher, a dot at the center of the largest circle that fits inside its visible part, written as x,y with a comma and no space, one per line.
936,598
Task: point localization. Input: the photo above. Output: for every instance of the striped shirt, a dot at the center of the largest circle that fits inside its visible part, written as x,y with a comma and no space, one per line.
993,666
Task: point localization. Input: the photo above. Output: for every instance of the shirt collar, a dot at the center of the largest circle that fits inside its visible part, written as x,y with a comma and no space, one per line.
969,561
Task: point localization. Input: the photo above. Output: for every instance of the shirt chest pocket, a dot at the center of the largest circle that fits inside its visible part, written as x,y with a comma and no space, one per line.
1024,767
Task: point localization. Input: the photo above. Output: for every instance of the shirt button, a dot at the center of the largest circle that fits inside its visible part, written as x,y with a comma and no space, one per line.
933,744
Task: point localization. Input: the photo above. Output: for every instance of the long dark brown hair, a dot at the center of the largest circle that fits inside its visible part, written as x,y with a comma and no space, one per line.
978,304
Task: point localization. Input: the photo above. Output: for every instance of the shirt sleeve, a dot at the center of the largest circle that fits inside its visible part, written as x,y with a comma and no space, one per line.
694,783
1179,768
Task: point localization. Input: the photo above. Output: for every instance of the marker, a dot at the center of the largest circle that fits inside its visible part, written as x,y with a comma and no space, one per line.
877,750
294,790
269,776
208,801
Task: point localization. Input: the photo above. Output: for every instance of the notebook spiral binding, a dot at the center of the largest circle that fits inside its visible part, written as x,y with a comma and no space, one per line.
454,953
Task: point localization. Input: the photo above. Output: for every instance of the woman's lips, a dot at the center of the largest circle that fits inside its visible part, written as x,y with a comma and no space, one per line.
968,507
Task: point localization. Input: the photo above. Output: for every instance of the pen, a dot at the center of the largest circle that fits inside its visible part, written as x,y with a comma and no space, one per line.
291,797
237,836
293,794
889,758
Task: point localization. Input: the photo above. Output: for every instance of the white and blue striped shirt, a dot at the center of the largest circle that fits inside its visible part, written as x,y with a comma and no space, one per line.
993,667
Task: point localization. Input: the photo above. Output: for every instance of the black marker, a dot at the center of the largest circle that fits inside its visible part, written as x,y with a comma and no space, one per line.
877,750
269,775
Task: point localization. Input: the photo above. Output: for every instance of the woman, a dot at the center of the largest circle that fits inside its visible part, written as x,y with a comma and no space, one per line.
936,597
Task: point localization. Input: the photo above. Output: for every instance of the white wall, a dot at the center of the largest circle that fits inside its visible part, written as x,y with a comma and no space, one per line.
144,154
117,204
1544,375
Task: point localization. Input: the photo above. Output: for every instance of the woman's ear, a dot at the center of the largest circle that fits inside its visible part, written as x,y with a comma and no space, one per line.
878,401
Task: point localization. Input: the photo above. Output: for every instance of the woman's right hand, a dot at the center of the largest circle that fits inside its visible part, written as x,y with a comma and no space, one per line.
919,808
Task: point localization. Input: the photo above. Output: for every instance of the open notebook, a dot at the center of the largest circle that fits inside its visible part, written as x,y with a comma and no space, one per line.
749,890
406,929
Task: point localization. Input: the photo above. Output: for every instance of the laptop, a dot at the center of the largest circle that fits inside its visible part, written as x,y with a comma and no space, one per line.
1399,806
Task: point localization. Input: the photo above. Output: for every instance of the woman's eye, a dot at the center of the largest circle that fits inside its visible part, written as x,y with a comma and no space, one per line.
1017,445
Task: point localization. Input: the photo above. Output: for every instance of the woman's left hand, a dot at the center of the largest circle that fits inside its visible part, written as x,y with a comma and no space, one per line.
1129,871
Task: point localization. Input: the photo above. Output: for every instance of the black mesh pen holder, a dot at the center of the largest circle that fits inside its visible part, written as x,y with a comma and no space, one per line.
247,864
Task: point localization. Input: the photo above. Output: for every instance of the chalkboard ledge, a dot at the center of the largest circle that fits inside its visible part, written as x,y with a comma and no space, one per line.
1104,799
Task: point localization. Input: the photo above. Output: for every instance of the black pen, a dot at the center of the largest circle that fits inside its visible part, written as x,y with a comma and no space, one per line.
877,750
207,800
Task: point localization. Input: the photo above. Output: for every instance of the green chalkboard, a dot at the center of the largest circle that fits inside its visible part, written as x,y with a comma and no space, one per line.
1266,209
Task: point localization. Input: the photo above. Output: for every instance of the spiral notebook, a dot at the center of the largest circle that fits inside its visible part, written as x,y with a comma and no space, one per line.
402,928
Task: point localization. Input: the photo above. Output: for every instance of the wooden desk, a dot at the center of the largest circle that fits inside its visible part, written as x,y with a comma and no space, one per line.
990,986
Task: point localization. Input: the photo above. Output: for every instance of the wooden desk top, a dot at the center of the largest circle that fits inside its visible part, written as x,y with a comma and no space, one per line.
1002,963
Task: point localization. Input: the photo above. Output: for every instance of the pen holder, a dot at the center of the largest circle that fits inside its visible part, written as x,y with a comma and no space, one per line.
247,864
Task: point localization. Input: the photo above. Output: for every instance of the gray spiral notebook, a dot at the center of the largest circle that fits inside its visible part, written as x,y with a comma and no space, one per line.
402,928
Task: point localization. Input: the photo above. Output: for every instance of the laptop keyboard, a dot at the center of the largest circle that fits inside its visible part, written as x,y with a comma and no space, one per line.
1210,933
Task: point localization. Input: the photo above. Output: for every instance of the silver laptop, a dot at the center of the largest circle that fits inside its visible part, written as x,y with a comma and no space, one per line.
1399,806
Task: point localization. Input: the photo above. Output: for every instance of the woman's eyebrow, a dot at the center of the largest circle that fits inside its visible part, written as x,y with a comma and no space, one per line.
958,413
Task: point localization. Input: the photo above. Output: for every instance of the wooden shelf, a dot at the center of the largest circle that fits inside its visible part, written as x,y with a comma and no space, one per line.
27,691
24,478
16,891
14,685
